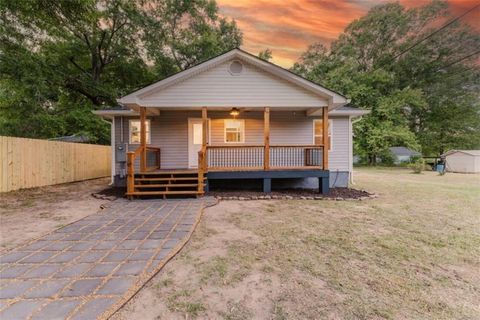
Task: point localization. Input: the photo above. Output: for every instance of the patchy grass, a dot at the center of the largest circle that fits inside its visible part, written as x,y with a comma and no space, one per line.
179,302
413,253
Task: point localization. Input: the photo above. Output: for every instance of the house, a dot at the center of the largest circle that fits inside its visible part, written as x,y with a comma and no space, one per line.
232,117
403,154
73,138
462,161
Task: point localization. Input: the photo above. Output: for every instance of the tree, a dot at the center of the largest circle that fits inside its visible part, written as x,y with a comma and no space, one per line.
265,54
61,59
381,63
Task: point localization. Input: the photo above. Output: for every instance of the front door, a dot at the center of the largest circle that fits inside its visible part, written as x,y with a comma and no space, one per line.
195,133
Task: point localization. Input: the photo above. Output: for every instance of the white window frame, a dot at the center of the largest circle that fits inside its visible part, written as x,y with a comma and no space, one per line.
148,127
242,131
330,132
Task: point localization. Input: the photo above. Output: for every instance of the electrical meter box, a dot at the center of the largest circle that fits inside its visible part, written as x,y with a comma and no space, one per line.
121,152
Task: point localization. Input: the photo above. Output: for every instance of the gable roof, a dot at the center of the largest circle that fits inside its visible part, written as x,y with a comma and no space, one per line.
404,151
475,153
336,99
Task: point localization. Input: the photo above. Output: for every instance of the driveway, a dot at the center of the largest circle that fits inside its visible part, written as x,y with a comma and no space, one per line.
90,268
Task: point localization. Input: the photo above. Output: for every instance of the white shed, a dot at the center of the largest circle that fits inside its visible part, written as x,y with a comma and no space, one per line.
463,161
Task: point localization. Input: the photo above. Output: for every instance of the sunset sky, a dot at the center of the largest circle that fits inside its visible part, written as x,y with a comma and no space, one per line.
288,27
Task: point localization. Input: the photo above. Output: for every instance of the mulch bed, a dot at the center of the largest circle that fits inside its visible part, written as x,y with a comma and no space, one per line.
304,194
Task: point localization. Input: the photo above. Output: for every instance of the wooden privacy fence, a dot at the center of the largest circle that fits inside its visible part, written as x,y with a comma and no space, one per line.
28,163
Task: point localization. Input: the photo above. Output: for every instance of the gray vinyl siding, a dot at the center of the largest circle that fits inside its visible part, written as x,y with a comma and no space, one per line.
169,132
217,87
339,153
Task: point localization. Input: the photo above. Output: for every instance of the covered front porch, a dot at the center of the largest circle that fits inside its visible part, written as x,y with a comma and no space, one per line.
232,156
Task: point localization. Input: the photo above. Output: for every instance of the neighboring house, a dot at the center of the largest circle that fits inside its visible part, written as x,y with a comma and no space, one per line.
403,154
232,117
72,138
462,161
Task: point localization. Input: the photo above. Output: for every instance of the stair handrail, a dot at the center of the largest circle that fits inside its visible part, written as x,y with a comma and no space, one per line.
131,156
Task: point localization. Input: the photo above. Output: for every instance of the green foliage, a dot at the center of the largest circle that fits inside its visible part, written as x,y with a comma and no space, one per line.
59,60
265,54
420,99
418,166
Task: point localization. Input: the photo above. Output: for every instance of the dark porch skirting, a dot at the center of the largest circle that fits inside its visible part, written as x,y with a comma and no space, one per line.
266,177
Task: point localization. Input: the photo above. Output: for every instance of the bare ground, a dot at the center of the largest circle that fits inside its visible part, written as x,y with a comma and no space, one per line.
31,213
413,253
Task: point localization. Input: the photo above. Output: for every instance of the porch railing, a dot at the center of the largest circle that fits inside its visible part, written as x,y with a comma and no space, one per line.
296,156
152,162
235,157
252,157
153,158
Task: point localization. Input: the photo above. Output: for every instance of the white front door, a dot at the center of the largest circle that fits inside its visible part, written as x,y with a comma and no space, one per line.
195,133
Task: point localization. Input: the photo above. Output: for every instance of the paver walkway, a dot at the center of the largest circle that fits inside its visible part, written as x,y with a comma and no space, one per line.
90,268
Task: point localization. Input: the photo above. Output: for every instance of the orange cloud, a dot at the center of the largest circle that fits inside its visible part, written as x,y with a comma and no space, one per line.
288,27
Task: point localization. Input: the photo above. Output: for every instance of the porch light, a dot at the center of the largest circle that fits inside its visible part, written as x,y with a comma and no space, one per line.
235,112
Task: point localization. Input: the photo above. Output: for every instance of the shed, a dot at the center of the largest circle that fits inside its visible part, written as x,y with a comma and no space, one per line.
403,154
463,161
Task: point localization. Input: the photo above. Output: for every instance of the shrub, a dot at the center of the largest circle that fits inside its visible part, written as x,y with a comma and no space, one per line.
418,166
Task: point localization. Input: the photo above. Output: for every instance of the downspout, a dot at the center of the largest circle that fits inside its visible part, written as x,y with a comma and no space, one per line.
350,149
112,143
121,129
350,152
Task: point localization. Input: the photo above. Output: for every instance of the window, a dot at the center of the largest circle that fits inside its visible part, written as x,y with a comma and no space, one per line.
318,132
234,131
135,131
197,133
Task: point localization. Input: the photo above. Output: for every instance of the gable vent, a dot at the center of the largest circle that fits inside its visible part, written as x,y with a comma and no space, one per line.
236,68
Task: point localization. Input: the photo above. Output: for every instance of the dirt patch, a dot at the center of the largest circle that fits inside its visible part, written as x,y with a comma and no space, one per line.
335,193
110,193
411,253
30,213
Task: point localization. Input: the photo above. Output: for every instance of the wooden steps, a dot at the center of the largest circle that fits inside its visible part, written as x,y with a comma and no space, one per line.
179,183
158,193
168,179
173,185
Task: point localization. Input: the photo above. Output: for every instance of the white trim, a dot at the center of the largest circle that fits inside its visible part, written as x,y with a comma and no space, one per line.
135,98
149,132
109,114
242,133
354,113
330,131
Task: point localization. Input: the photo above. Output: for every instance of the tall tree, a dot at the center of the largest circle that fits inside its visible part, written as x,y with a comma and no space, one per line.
60,59
382,63
265,54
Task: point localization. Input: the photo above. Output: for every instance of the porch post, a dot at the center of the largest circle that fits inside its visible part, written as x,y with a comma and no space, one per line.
266,138
202,155
204,136
325,138
143,139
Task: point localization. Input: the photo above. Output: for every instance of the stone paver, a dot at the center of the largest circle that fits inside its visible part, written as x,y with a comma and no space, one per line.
91,267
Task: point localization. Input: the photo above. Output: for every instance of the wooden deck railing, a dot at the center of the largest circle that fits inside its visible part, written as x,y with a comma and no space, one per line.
253,157
152,163
153,158
295,156
235,157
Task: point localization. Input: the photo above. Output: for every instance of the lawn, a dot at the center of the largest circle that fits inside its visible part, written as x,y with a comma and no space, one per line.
413,253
